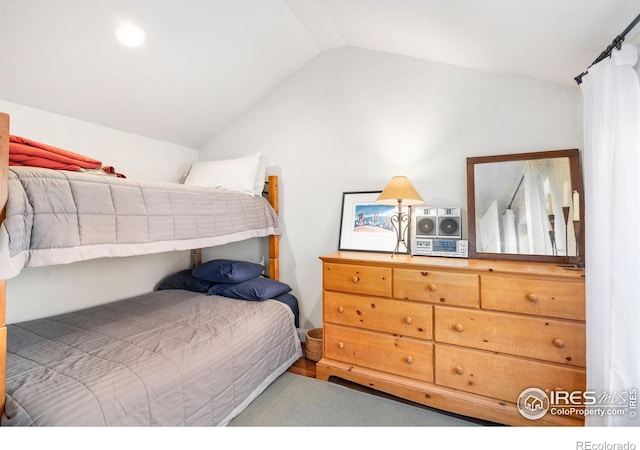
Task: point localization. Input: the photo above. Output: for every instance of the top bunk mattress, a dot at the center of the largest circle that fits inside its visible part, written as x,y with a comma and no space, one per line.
59,217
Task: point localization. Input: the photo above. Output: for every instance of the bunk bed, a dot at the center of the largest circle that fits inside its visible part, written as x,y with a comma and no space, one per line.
180,355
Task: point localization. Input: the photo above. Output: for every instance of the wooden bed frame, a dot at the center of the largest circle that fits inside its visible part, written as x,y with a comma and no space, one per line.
196,255
4,193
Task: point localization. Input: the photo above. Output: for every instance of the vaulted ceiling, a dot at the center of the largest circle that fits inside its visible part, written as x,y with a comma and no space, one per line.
206,61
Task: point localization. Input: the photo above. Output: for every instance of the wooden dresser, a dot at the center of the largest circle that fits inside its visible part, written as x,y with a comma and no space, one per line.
465,336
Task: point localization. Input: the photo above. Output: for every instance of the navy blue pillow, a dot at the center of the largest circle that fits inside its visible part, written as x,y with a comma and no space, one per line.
227,271
219,288
185,281
255,289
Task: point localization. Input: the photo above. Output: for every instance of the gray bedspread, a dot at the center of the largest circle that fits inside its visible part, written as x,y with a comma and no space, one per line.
167,358
59,217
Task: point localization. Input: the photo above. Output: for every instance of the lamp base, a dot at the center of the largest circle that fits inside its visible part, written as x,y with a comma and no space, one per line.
400,222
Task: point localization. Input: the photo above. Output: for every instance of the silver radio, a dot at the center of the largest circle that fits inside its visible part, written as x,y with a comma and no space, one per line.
438,232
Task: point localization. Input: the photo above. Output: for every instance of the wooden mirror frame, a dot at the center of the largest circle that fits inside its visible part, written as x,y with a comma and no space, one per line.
576,184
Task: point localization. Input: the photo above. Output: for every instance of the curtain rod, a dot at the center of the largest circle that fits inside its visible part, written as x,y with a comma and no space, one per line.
616,43
516,192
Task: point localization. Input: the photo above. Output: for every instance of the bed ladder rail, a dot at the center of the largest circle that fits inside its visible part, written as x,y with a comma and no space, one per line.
274,240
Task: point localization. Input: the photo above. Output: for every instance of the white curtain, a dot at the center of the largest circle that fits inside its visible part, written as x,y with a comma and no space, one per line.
490,230
535,201
509,227
611,163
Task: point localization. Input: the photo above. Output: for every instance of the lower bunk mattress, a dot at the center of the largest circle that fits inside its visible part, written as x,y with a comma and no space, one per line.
167,358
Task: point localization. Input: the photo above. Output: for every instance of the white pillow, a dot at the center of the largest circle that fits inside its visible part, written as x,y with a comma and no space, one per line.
261,176
237,174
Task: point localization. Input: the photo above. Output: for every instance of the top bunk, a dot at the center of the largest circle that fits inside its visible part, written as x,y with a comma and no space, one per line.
63,216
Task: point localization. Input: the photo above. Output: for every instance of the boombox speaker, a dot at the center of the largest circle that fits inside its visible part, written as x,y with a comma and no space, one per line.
425,222
449,223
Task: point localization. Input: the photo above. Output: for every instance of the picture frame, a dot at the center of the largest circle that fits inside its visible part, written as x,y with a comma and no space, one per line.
366,225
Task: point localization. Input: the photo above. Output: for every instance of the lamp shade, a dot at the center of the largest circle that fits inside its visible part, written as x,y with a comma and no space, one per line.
400,190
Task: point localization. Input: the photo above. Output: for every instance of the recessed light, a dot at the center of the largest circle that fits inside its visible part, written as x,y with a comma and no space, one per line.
130,35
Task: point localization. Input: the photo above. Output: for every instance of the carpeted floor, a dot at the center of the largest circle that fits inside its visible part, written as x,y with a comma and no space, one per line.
295,400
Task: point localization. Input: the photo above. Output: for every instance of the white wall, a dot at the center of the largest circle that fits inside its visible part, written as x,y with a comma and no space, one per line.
39,292
352,118
135,156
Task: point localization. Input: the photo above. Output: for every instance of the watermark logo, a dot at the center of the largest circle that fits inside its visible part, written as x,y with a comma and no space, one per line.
534,403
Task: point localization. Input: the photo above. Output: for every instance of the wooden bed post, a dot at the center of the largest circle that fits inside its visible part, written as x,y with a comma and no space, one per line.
4,193
274,240
196,257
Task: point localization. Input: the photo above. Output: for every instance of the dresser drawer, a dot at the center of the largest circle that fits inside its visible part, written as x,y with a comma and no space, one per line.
540,338
357,279
564,299
499,376
393,354
387,315
459,289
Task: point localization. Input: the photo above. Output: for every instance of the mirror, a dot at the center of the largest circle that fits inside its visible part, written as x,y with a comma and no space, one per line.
526,207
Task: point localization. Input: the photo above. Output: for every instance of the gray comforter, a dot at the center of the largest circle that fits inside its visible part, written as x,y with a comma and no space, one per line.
59,217
166,358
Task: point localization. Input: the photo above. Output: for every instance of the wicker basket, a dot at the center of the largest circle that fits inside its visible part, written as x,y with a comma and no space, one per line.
313,344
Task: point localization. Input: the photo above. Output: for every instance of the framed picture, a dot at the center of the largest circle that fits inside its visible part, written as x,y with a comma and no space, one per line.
366,225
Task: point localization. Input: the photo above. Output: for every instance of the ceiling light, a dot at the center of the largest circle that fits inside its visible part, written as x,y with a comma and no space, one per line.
130,35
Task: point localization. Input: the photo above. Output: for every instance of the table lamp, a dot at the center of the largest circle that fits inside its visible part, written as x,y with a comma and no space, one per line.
399,191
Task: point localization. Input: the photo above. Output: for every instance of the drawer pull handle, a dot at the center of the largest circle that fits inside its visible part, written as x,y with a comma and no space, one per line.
558,342
408,320
409,360
532,297
459,370
341,345
355,279
340,309
459,328
432,287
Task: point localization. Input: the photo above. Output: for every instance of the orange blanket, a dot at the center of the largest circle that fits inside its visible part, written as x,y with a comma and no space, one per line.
26,152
